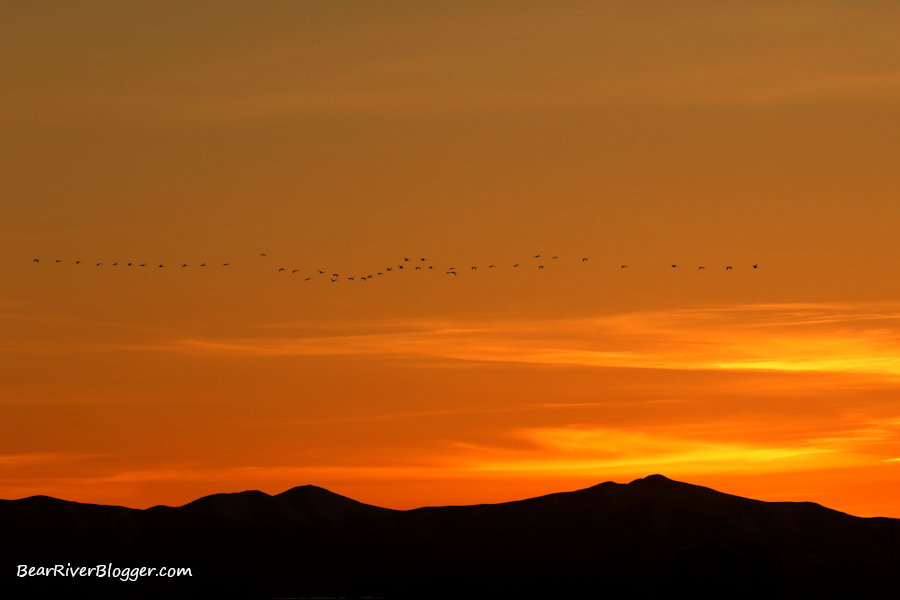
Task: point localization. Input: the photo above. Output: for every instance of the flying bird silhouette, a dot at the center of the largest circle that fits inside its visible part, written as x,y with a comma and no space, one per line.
727,268
37,260
755,266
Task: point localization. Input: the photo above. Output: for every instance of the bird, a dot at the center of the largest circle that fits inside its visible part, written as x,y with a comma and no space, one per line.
320,272
183,265
350,279
755,266
583,260
294,271
98,264
333,280
405,259
307,279
389,269
262,254
491,266
61,261
417,268
335,275
516,265
143,264
673,266
555,257
701,267
380,273
421,259
540,266
114,264
474,268
161,266
77,262
451,272
537,256
727,268
203,265
400,266
281,269
225,264
624,267
431,267
37,260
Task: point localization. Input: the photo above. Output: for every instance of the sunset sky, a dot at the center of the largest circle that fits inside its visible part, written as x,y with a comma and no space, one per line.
347,136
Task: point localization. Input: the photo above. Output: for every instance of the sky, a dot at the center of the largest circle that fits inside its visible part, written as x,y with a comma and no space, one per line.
289,138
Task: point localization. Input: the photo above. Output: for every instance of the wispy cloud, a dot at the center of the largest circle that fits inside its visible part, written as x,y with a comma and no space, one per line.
842,338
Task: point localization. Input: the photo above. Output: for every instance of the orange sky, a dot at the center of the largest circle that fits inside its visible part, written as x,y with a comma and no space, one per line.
344,137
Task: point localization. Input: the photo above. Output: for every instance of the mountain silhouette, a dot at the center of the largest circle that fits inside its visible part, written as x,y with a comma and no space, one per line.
651,538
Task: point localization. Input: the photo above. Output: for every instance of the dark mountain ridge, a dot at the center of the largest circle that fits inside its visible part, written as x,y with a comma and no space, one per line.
647,539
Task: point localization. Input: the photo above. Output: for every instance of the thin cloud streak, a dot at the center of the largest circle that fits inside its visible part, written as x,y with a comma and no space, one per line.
838,338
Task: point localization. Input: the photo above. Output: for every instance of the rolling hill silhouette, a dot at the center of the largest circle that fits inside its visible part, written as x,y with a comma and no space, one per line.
651,538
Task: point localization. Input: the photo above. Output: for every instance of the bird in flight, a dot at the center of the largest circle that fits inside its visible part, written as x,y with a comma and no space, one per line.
225,264
98,264
537,256
516,265
61,261
389,269
262,254
583,260
161,266
754,266
37,260
624,267
491,266
294,271
321,272
143,264
673,266
701,267
451,272
417,268
727,268
281,269
307,279
540,266
183,265
555,257
128,265
203,265
474,268
405,259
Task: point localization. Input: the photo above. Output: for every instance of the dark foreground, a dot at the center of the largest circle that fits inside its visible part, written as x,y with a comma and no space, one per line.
652,538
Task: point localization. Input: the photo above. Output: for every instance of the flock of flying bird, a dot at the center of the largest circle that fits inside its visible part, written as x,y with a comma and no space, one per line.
406,264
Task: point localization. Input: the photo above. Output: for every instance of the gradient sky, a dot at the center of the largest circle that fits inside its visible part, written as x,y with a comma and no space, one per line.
345,136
